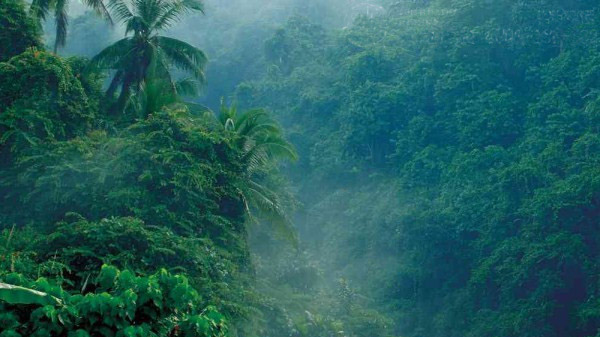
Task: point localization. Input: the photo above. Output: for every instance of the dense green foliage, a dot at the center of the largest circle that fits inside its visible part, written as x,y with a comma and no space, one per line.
447,172
123,305
19,31
158,195
459,145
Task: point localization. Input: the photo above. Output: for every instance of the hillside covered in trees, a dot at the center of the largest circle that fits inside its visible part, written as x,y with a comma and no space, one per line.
290,168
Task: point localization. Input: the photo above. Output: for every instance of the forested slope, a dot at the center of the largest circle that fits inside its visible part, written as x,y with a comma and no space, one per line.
449,161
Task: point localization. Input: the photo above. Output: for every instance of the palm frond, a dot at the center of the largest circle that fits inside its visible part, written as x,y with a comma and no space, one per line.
114,54
187,87
260,140
170,15
120,10
278,148
258,129
196,5
100,8
266,203
249,119
40,8
61,17
159,65
184,56
227,116
254,160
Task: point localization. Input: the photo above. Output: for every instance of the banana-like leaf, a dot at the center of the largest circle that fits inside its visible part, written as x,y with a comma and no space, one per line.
20,295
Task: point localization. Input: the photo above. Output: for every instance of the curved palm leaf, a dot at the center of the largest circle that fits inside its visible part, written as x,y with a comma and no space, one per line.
267,204
114,55
100,8
261,142
120,10
171,14
195,5
187,87
40,8
277,148
184,56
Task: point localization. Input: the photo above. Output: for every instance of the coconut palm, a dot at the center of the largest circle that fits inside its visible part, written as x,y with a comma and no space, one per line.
261,142
41,9
145,54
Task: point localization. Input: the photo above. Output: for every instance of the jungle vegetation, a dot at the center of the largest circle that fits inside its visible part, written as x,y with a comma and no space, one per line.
300,168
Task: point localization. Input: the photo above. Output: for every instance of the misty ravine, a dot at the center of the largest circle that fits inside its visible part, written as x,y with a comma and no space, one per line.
300,168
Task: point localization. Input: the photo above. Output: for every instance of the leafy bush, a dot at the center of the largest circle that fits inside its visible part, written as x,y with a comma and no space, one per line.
116,303
18,31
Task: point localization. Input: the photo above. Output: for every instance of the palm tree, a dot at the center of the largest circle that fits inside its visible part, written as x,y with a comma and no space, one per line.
261,142
41,8
145,54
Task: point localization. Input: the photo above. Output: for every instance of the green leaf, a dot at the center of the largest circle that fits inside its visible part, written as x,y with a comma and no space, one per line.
108,276
79,333
20,295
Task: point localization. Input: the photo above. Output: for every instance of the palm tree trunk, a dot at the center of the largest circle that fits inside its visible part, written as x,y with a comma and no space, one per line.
121,102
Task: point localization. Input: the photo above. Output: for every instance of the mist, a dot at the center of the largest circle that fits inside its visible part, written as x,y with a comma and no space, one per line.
316,168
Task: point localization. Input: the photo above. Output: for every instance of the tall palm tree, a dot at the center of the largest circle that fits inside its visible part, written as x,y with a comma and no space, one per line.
145,54
41,8
261,142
